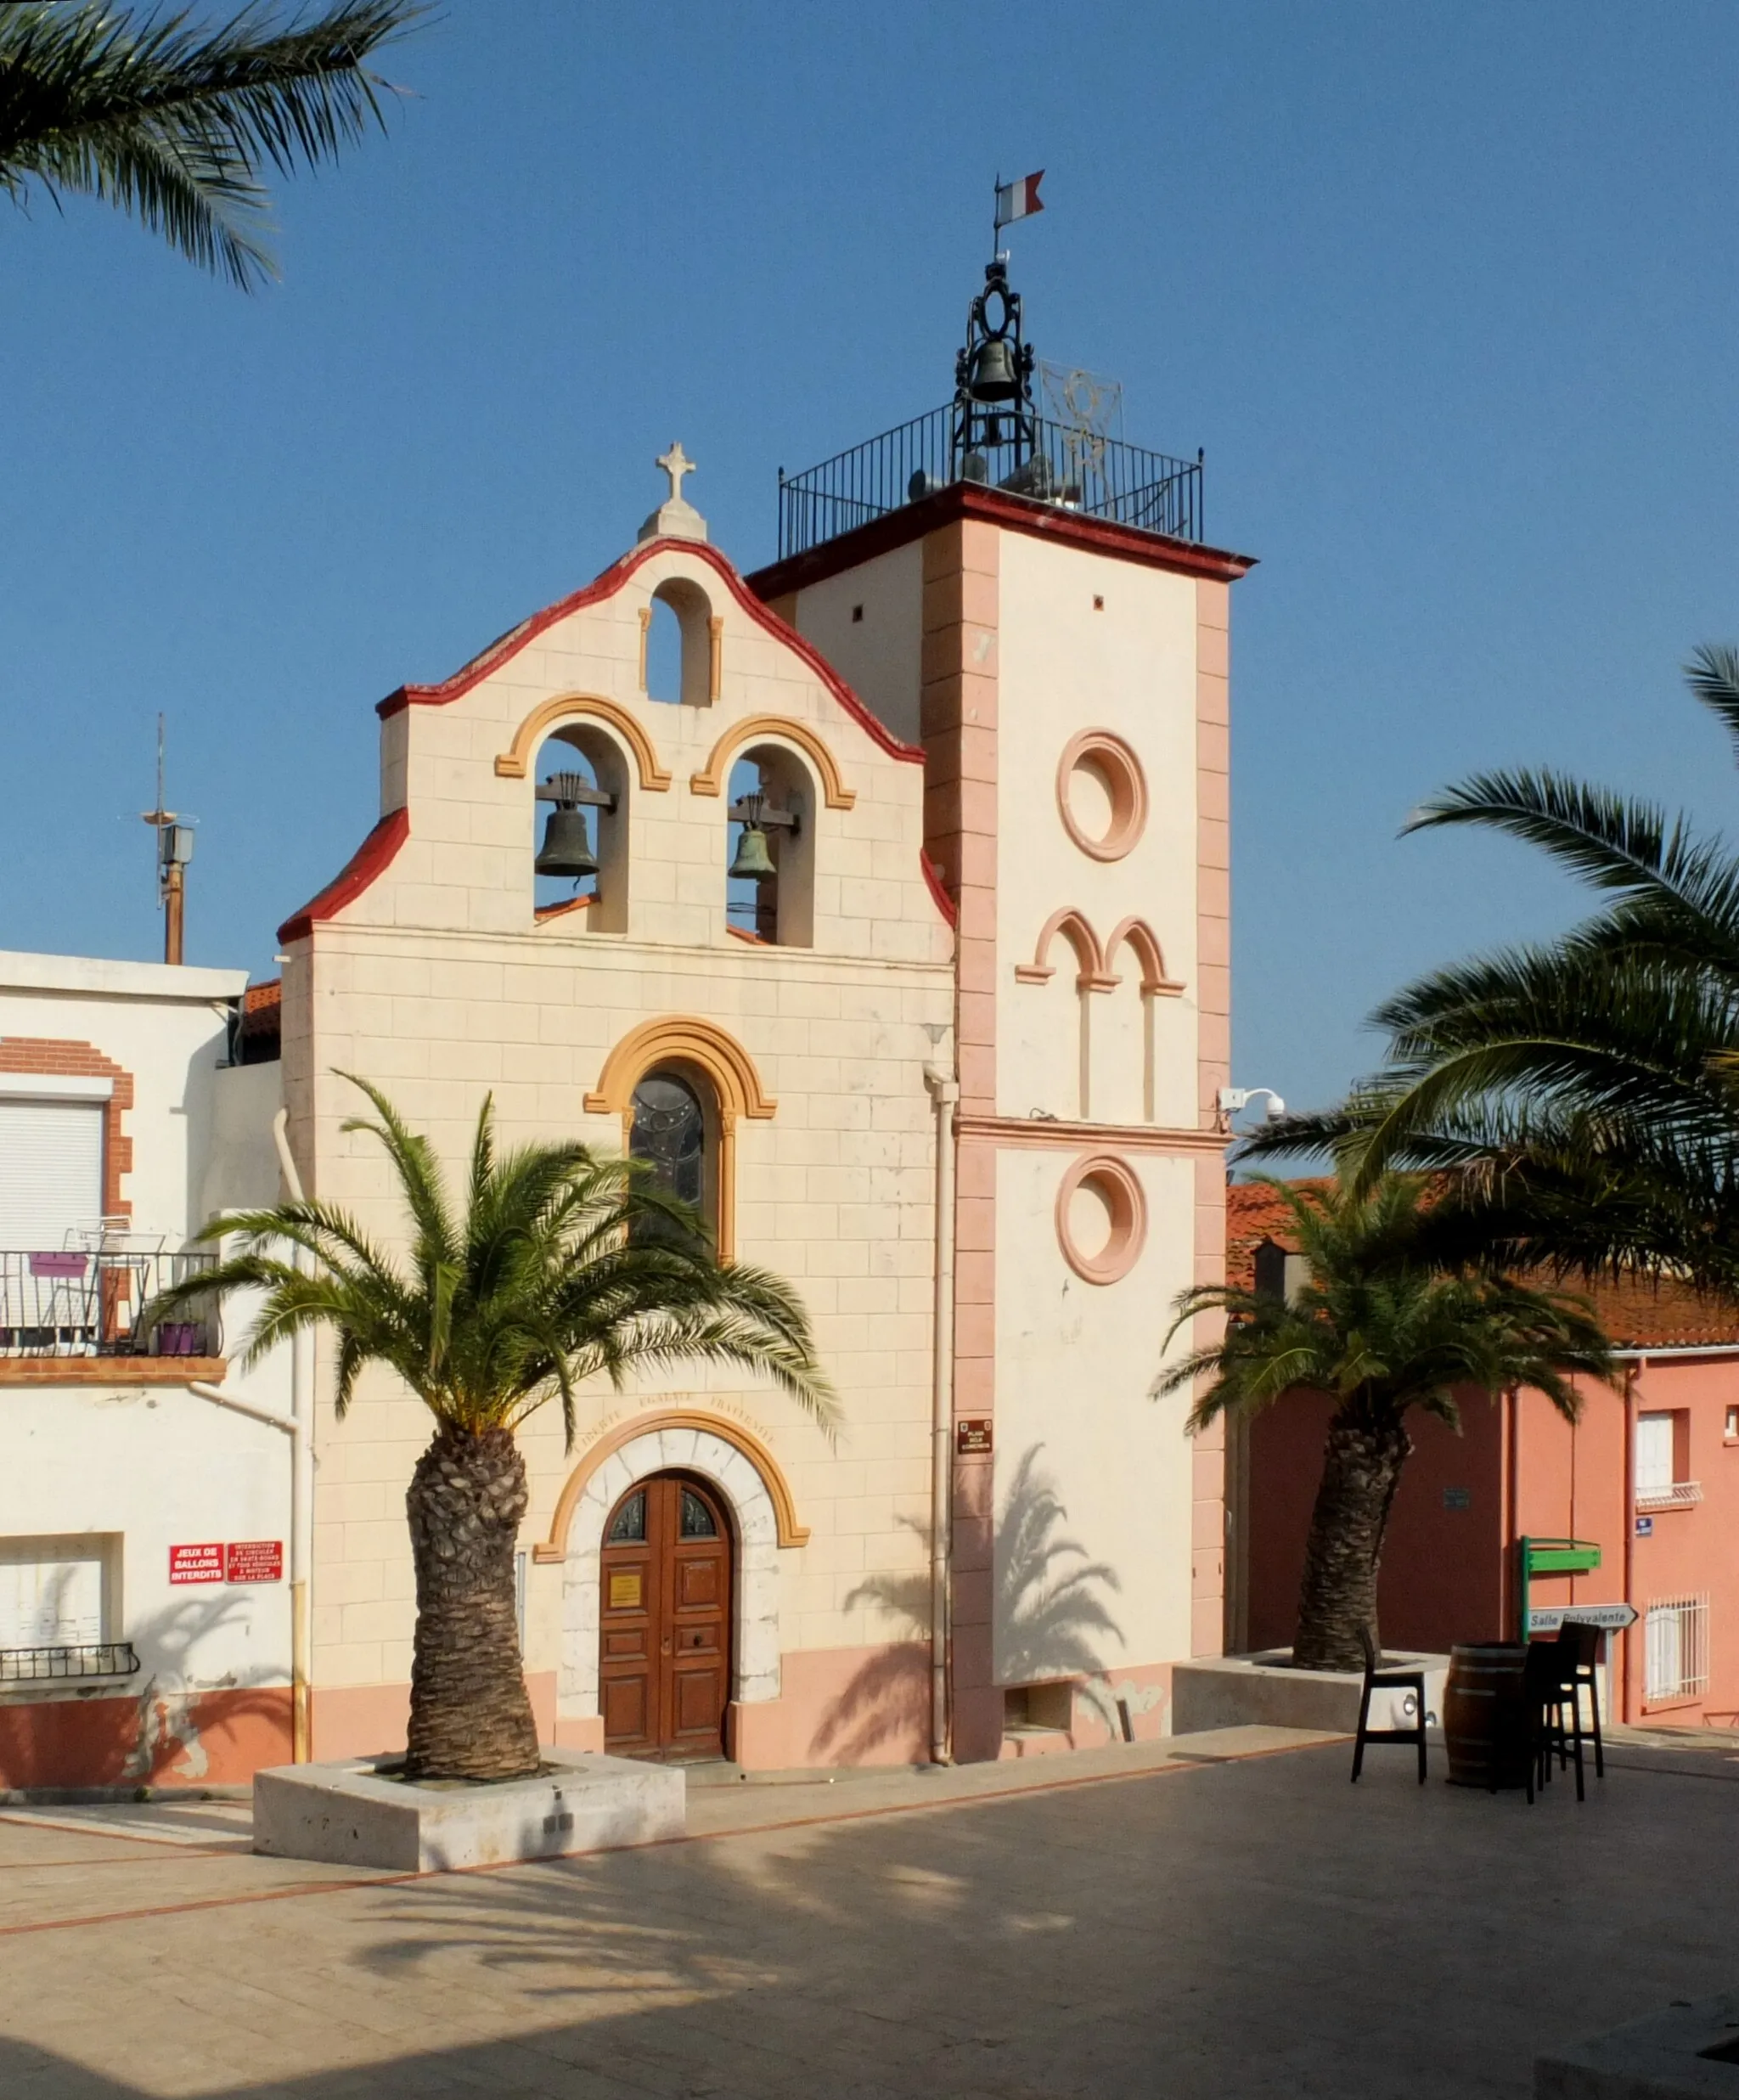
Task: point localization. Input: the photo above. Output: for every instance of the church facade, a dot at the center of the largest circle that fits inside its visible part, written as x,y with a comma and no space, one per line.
892,928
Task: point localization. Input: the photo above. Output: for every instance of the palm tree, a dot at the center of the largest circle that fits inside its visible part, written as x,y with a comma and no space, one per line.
1581,1095
562,1265
1379,1331
174,124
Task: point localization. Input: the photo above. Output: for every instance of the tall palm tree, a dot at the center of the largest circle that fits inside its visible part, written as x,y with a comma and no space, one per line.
1583,1094
1379,1331
561,1266
174,123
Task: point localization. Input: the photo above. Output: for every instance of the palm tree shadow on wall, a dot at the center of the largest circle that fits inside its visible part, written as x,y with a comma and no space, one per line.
1051,1621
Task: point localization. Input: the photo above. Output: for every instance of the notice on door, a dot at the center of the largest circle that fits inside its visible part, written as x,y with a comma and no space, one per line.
196,1563
254,1560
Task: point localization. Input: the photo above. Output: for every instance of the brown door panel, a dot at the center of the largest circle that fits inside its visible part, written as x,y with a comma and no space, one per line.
665,1641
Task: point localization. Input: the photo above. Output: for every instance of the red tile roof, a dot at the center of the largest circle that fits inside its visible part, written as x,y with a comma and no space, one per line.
1637,1313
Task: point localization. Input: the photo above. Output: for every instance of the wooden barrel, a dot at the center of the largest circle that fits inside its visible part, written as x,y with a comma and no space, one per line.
1485,1714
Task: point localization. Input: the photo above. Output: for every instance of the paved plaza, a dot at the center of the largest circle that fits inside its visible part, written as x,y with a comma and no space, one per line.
1231,1922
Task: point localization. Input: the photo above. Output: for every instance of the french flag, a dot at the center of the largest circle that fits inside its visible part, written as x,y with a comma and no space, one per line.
1018,200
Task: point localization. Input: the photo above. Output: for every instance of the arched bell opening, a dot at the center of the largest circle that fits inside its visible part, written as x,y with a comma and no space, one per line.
581,867
677,664
770,840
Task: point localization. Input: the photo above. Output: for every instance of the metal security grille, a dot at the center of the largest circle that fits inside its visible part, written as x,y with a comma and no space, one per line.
1676,1649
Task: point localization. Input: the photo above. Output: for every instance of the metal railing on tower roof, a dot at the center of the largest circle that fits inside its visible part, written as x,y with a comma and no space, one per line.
1078,469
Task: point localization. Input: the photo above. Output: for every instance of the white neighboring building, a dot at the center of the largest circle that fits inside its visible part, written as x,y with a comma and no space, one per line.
127,1651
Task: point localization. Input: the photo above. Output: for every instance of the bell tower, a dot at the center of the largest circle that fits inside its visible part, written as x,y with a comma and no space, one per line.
1035,603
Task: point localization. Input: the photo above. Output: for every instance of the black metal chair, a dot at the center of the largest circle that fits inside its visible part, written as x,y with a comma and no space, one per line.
1377,1678
1585,1675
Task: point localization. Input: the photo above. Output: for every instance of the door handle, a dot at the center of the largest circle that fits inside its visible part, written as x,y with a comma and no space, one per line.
665,1649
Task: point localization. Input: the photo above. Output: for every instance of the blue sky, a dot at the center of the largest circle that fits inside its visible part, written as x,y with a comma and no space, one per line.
1447,293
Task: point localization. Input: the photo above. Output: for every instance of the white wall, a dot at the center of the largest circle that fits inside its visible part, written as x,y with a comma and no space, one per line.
1129,668
880,656
1074,1364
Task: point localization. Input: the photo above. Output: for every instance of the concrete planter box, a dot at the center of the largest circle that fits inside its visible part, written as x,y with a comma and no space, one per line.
1241,1690
1666,2057
351,1814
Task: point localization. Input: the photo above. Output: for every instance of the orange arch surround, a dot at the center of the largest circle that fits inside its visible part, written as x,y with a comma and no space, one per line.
1145,943
686,1039
784,1508
1075,927
710,780
550,714
690,1039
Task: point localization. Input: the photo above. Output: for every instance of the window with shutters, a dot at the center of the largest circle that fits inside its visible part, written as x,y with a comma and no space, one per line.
51,1172
1663,1461
54,1592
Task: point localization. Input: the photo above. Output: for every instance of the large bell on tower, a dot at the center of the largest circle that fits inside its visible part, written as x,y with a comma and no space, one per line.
753,863
566,850
995,377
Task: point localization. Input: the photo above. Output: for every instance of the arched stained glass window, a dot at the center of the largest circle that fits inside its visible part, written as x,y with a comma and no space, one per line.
670,1132
629,1523
697,1518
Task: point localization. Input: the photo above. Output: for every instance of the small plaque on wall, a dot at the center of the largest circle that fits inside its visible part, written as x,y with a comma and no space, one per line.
625,1591
973,1435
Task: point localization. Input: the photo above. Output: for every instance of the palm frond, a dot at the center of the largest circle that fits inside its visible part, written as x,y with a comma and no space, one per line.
174,122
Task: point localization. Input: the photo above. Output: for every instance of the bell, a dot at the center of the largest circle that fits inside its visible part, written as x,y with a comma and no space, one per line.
566,849
753,862
994,375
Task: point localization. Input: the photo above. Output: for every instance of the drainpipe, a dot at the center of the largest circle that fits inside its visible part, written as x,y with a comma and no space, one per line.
945,1091
1631,1371
301,1483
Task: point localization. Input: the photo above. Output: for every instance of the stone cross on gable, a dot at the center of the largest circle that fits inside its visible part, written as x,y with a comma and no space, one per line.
676,464
676,517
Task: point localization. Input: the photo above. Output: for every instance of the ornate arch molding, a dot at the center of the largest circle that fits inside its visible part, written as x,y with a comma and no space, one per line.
710,780
550,714
686,1039
787,1531
694,1041
1145,943
1074,926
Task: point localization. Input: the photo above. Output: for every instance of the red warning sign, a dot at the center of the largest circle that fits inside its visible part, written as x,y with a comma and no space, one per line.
254,1560
196,1563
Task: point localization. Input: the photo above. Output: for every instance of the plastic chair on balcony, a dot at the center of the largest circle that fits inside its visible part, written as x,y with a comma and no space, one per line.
1377,1678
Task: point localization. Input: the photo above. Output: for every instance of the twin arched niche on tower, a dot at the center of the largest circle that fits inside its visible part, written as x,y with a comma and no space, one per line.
681,1085
762,1516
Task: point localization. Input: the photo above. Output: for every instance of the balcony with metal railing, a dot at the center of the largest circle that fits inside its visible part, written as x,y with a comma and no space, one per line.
1074,467
71,1302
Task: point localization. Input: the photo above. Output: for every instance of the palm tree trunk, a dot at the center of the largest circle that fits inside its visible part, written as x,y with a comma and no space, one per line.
470,1716
1361,1469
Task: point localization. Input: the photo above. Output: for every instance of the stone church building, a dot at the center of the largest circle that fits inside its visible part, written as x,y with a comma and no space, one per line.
951,1063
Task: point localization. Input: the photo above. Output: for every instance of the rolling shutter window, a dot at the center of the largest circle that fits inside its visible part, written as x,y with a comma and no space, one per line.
51,1172
51,1594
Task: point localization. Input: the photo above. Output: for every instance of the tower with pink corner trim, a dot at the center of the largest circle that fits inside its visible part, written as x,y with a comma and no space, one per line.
1035,602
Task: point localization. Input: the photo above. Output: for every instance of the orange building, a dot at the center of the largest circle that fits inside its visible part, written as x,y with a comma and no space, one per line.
1647,1483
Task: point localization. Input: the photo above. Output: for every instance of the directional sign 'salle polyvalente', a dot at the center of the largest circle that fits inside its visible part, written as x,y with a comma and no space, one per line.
1609,1618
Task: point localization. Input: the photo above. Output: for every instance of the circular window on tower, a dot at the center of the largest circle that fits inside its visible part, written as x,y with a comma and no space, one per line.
1101,792
1101,1219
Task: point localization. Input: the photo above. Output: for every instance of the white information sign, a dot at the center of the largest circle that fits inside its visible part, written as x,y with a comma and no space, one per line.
1609,1618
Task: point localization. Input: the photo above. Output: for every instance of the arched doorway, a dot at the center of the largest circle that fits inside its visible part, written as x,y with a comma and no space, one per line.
664,1610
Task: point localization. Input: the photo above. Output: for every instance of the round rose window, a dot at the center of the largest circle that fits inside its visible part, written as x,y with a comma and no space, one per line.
1101,1219
1102,794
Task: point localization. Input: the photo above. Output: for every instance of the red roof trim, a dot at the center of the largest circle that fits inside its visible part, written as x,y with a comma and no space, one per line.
371,859
606,586
1015,514
932,875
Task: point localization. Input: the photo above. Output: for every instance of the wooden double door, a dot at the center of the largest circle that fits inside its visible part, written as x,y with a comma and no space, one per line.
665,1618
